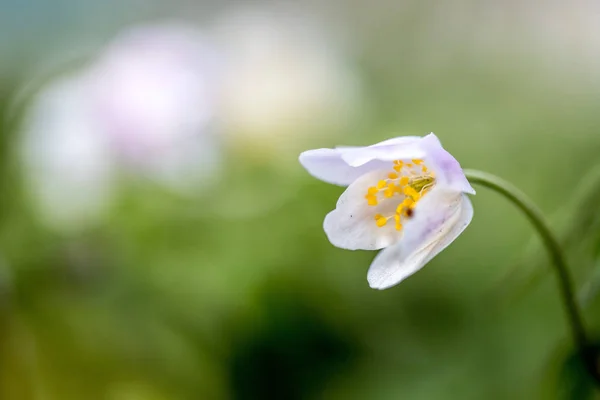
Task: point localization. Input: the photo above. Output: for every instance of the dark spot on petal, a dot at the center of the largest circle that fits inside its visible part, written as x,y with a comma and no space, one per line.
410,213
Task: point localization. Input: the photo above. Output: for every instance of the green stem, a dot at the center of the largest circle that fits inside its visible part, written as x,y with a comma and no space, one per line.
533,213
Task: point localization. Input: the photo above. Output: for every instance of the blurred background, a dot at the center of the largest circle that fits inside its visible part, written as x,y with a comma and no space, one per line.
159,239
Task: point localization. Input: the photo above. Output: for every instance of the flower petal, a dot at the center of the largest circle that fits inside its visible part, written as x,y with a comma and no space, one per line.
447,168
328,166
404,147
439,219
344,164
352,224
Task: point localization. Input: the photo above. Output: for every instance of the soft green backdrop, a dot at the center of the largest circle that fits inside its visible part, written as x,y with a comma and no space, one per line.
236,293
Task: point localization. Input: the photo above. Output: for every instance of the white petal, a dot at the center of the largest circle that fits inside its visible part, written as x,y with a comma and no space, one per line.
439,219
448,170
344,164
352,224
405,147
328,166
399,140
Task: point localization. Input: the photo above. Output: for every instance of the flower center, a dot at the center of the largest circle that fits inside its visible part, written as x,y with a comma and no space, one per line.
409,182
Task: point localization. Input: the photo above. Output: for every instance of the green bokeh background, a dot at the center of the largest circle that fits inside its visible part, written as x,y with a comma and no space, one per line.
179,298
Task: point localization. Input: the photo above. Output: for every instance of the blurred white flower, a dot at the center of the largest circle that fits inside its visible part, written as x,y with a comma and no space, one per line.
285,78
67,160
145,103
406,195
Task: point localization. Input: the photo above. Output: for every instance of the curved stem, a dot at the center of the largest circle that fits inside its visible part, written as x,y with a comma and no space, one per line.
533,213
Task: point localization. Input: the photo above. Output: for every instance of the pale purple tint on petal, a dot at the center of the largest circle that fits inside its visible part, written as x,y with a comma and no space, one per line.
435,210
448,170
394,264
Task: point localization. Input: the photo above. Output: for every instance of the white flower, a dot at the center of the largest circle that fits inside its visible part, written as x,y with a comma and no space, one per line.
68,164
406,196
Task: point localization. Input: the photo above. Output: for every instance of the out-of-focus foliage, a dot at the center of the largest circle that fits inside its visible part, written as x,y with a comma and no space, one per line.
577,225
574,382
231,290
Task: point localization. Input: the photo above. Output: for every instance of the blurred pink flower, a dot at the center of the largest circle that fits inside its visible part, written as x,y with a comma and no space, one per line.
153,88
144,104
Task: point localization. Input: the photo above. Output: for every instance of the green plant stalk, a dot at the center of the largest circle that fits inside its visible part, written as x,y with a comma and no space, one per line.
535,216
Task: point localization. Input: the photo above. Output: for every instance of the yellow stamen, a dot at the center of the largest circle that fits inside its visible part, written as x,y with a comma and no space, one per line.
409,191
411,186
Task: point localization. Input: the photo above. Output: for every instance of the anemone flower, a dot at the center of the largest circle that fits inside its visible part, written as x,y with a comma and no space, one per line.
405,195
